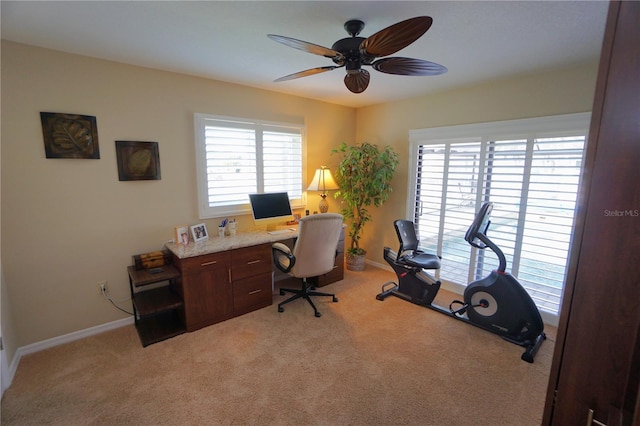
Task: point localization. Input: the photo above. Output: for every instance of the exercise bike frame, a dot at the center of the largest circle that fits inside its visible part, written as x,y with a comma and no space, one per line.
417,286
391,288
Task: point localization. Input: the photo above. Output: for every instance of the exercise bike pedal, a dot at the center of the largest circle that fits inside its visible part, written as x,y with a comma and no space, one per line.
461,310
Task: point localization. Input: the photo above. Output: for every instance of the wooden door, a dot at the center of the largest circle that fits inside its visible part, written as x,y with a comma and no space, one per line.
596,363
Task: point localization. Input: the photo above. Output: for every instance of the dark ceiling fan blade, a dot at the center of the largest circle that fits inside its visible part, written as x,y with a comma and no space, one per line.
357,82
408,66
397,36
306,73
306,46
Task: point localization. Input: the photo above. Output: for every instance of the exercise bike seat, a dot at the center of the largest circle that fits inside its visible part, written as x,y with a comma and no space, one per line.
408,253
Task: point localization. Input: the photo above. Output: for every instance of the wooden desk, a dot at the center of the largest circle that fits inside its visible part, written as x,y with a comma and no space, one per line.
217,244
224,277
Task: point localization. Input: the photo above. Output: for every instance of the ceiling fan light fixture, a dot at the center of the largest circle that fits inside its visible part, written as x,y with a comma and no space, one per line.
358,81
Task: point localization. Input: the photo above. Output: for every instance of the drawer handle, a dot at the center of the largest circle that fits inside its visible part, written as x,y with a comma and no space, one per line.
255,291
213,262
251,262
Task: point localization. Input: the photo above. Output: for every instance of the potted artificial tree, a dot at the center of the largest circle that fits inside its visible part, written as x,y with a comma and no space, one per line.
364,175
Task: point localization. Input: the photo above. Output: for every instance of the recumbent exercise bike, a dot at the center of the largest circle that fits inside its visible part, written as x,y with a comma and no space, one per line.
497,303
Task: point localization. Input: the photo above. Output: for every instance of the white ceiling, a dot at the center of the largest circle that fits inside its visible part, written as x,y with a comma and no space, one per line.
226,40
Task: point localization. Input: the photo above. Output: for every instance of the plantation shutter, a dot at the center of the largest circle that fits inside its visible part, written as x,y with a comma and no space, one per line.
231,163
236,158
533,183
282,152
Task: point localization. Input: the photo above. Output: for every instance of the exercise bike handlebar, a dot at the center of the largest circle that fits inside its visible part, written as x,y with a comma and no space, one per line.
502,266
477,231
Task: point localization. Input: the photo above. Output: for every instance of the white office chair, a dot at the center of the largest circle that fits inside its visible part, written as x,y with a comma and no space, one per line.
313,254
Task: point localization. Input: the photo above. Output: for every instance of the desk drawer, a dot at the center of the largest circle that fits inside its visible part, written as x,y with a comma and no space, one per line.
336,274
252,293
250,261
204,262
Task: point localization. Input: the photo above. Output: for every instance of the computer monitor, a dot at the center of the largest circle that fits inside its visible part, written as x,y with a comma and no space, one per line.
270,209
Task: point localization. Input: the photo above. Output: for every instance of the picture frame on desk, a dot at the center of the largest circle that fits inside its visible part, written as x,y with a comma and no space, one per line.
181,235
199,232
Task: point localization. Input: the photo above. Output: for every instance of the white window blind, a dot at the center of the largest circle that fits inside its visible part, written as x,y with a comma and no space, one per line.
529,169
236,157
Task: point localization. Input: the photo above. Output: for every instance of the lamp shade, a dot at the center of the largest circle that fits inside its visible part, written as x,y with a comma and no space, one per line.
322,181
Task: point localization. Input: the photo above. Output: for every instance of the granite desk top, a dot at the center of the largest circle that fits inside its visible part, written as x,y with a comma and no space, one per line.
217,244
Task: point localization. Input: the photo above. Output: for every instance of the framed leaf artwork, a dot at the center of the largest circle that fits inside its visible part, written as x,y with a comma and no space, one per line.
70,135
138,160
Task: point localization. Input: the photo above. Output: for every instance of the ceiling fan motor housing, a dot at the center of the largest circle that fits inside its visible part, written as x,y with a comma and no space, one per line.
350,49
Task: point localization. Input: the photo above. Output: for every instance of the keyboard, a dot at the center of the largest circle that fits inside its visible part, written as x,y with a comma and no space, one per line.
281,231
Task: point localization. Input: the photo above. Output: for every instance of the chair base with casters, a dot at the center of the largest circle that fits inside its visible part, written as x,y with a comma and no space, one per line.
305,293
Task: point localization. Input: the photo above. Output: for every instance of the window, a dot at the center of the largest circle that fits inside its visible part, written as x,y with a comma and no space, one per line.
529,169
236,157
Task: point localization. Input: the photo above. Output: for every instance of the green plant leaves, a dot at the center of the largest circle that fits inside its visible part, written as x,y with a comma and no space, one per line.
364,176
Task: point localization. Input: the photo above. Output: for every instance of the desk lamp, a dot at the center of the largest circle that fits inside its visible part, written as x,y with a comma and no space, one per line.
323,181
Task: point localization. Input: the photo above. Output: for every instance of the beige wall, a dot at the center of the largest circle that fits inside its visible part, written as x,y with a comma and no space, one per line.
564,91
68,224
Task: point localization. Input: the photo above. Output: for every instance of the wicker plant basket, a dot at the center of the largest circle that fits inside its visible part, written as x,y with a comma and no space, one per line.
355,262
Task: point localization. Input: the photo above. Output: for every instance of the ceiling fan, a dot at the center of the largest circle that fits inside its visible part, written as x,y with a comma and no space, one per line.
354,52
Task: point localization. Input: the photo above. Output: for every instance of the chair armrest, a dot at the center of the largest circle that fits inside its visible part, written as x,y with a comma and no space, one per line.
282,257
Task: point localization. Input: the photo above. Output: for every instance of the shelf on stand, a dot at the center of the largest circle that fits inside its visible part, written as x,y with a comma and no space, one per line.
157,311
152,302
159,327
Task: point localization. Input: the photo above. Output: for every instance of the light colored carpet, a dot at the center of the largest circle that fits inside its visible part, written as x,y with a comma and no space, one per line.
364,362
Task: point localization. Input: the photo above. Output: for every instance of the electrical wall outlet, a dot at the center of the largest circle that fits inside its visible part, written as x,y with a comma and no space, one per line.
102,286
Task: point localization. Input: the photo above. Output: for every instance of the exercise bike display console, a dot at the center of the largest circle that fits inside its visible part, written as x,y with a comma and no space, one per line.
497,303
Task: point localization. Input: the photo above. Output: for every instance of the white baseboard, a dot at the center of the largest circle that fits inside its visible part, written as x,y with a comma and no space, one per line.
4,368
55,341
379,265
